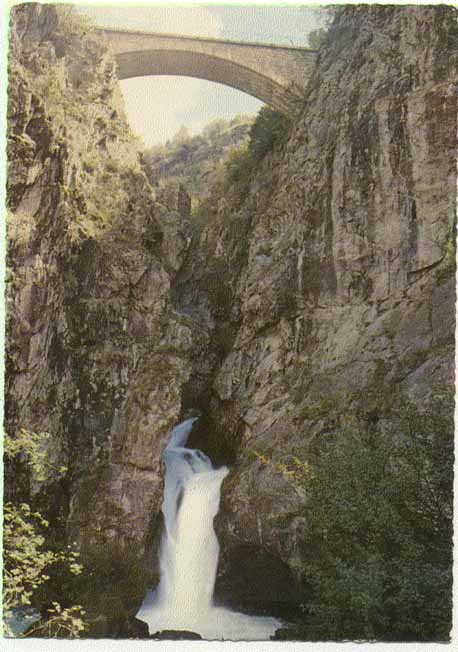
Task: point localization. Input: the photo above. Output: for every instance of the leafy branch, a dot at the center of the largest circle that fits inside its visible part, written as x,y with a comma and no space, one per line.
26,560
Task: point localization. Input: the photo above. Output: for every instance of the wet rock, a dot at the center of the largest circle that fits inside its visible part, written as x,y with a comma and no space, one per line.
176,635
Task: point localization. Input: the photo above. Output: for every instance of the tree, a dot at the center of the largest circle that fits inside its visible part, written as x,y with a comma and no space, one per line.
317,38
380,515
26,559
181,136
214,128
269,128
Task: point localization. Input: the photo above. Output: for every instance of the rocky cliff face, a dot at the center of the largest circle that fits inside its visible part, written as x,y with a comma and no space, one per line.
342,300
195,161
96,352
325,291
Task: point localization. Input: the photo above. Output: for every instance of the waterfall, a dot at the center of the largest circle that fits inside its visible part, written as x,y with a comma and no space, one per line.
189,552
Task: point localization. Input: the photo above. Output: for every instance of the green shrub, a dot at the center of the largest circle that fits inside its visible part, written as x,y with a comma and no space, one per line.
236,171
27,560
317,37
239,166
380,517
379,514
269,129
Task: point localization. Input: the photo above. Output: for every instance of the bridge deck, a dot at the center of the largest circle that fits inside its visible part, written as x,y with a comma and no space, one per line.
207,39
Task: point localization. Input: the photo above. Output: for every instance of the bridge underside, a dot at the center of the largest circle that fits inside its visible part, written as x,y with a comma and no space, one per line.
203,66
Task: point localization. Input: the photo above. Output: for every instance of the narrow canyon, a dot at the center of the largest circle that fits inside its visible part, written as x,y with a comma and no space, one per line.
303,309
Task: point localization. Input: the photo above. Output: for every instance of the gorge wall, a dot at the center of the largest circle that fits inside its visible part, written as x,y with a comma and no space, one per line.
321,293
339,279
96,353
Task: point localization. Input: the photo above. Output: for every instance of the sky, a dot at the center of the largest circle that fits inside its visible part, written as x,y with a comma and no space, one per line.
157,107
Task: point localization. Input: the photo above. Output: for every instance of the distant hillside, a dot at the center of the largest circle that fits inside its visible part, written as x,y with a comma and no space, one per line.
194,160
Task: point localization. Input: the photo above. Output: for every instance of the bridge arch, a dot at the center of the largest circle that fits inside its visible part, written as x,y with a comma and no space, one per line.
274,74
185,63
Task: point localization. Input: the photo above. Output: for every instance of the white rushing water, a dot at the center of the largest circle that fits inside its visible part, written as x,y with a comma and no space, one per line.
189,552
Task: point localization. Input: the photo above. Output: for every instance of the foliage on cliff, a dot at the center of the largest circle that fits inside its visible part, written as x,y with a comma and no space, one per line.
193,161
220,160
269,130
27,561
380,515
235,172
78,100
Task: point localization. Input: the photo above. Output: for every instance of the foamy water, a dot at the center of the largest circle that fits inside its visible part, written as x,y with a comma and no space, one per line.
189,552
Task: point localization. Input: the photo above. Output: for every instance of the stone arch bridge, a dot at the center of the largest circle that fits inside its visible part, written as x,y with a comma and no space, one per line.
275,74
